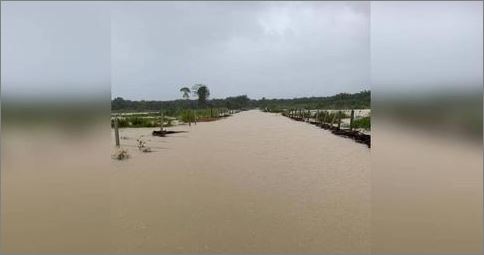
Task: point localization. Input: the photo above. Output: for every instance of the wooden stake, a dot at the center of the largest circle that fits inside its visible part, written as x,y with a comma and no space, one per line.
332,120
161,121
189,118
351,119
116,131
339,119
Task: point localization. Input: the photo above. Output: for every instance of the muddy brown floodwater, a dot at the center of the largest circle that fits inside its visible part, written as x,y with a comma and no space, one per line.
251,183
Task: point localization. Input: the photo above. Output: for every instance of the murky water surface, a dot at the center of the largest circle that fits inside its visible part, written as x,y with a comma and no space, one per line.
251,183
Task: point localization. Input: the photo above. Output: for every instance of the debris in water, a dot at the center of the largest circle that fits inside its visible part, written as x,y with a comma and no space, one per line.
120,154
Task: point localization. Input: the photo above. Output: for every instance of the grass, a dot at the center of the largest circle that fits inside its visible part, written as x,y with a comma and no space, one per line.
152,119
328,116
364,123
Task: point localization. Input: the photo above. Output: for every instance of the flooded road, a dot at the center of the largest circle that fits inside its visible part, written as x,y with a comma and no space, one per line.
251,183
254,182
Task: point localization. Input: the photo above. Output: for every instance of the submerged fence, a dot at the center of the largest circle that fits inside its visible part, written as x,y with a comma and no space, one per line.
331,120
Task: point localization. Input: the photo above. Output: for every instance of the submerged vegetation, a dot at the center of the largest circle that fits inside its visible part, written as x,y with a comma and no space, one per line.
363,123
203,108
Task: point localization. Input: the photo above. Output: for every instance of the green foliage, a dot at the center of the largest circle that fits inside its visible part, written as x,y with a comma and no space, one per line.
326,116
186,92
153,119
364,123
359,100
202,92
187,116
135,121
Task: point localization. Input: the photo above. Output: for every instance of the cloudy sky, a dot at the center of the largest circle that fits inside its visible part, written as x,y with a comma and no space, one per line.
148,50
426,46
55,49
271,49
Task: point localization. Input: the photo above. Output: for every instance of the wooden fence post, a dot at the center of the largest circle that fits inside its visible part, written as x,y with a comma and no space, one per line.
351,119
161,121
116,131
339,119
332,120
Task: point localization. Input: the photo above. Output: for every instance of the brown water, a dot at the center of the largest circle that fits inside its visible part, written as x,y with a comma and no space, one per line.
426,192
251,183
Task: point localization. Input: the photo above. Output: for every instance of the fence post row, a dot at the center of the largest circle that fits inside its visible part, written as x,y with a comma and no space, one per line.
323,117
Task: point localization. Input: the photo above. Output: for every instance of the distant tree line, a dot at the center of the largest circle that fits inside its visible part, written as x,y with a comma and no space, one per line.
359,100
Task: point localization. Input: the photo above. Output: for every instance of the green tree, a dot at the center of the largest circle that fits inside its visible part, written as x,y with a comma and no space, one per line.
186,92
186,95
202,92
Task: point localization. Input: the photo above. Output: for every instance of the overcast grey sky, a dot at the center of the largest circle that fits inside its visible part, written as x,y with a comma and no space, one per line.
55,49
426,46
271,49
148,50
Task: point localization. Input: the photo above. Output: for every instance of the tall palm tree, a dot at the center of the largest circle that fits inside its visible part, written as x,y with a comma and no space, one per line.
202,92
186,92
186,95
